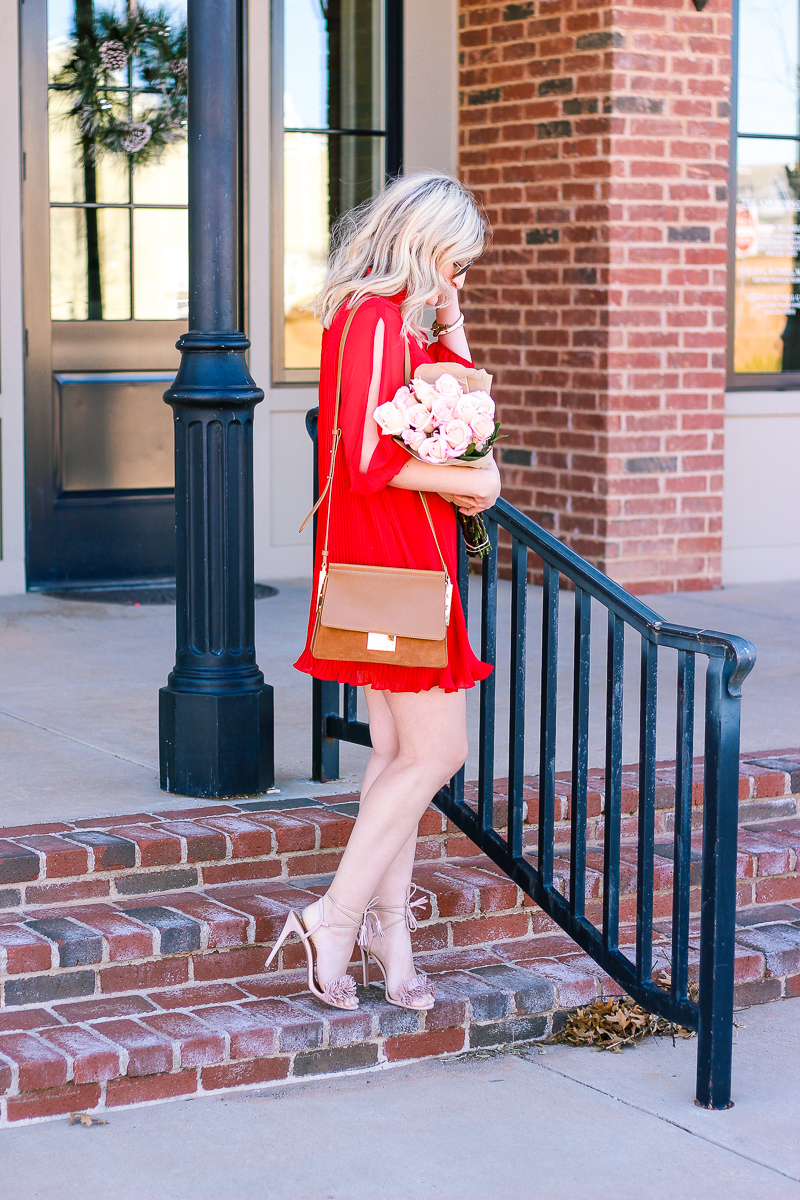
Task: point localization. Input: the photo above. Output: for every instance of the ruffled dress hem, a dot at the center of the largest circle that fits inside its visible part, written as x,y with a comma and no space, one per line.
390,678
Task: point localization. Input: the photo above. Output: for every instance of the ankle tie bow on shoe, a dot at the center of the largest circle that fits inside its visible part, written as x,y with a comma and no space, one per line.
404,911
370,924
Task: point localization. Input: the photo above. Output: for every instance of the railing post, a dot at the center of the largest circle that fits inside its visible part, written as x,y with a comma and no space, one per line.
718,888
216,712
324,749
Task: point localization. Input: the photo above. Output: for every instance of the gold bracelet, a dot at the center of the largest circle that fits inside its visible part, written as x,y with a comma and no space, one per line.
437,329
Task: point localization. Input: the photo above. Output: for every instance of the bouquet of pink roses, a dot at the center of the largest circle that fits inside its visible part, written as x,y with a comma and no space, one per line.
446,415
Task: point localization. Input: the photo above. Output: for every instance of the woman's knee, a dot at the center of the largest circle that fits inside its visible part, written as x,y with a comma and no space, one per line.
439,762
457,756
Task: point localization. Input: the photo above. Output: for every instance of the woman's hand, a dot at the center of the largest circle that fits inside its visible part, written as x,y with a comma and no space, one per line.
485,492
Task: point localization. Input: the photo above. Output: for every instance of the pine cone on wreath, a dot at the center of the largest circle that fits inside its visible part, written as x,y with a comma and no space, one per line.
113,56
136,137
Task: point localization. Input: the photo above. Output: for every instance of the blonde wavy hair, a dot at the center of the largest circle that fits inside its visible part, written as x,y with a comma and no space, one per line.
399,241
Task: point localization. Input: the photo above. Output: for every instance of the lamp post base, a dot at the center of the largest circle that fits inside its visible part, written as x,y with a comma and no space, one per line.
216,745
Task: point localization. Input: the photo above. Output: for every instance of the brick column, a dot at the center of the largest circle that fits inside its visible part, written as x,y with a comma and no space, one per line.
597,138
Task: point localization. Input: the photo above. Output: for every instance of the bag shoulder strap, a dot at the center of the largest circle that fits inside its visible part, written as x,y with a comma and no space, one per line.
336,438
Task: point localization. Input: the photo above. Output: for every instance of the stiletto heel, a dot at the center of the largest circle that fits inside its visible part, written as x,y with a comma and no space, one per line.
417,994
339,993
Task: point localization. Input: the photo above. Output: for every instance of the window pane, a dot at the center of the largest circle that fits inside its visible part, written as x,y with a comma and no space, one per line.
106,176
114,233
305,242
60,27
160,264
333,65
323,177
89,264
768,63
68,292
767,323
164,180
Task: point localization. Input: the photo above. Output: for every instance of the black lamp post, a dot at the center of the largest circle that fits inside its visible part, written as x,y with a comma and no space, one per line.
216,712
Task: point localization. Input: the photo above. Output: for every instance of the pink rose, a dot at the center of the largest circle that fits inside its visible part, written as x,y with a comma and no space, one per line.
434,450
442,409
403,398
414,438
483,402
448,385
390,418
424,392
482,426
458,436
466,409
418,417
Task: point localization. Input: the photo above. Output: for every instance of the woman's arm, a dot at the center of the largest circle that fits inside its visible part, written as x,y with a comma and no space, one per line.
472,489
456,341
369,441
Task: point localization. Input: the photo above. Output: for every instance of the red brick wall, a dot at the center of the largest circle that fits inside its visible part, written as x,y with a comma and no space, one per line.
597,138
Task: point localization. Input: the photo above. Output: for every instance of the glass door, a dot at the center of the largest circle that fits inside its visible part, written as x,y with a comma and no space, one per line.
106,282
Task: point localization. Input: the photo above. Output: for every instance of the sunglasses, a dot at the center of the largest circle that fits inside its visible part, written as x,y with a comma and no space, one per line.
459,270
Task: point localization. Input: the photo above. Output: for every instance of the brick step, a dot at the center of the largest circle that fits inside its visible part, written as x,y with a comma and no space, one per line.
66,870
125,942
204,1035
116,858
156,940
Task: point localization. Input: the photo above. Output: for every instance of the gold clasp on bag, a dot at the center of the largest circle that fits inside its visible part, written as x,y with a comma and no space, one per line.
381,641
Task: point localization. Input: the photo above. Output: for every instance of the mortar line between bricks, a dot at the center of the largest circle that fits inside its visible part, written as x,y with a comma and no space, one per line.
667,1120
80,741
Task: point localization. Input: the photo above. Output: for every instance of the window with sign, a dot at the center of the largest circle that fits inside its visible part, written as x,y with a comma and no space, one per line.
765,343
336,118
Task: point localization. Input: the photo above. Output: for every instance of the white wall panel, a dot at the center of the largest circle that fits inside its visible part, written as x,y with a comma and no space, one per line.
430,85
761,498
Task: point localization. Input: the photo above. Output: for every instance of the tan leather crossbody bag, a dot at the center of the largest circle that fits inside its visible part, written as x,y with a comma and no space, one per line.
378,614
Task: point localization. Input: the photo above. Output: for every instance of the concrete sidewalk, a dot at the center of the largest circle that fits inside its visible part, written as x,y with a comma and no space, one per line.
79,693
560,1123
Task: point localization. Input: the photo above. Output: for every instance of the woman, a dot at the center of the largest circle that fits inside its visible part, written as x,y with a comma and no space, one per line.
409,247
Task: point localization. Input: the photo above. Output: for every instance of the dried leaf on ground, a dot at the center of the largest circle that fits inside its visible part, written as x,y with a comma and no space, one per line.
665,981
79,1118
613,1024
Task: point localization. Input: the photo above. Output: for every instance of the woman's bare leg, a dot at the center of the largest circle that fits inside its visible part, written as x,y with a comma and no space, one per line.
431,733
392,888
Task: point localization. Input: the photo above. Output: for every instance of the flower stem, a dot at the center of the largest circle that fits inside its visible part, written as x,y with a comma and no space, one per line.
475,535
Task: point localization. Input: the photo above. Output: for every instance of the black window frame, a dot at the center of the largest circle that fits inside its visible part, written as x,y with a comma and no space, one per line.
393,165
739,381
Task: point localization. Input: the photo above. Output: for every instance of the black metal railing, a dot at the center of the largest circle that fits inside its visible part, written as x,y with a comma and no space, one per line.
729,661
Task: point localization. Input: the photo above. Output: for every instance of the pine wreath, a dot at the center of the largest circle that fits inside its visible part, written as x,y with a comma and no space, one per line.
103,45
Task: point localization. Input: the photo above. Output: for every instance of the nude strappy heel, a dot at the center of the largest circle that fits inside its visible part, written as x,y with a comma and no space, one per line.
339,993
418,994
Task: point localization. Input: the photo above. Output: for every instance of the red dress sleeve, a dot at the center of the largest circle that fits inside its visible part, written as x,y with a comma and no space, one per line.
388,457
440,353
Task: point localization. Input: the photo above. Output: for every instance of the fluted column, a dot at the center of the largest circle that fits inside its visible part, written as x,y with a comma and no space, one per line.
216,712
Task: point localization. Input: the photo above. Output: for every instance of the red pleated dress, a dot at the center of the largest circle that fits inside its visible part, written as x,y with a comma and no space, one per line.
373,524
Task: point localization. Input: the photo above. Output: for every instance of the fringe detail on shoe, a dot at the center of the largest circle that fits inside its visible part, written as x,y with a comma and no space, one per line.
411,991
340,991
